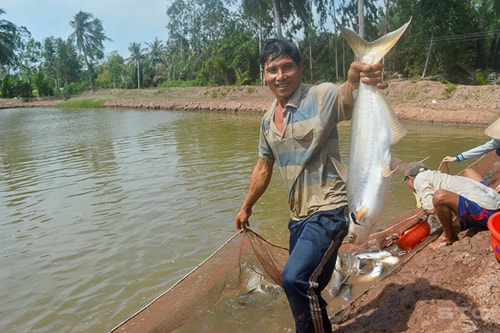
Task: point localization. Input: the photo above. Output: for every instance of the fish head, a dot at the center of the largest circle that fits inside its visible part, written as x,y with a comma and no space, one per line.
360,227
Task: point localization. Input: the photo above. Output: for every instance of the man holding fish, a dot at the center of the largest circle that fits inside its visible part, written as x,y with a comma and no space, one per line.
299,134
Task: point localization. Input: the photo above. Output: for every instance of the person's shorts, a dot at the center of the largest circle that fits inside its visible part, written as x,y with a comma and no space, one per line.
471,214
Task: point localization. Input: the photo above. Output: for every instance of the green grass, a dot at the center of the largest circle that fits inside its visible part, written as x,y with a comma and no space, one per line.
449,89
82,103
412,95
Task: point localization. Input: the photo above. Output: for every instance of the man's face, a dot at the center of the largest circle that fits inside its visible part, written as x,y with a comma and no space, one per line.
283,77
410,181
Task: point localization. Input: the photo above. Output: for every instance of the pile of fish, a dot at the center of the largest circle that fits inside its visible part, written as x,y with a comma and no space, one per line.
358,268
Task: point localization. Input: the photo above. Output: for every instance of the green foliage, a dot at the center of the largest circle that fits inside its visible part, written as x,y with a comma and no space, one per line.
178,83
89,37
242,78
7,41
14,87
215,43
449,89
42,84
480,79
453,42
324,49
84,103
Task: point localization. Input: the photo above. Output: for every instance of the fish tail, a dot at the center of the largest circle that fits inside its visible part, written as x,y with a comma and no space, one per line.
372,52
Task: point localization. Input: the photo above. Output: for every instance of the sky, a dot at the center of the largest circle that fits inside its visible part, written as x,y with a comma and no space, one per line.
124,21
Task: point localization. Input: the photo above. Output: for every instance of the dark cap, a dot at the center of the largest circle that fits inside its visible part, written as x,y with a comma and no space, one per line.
414,171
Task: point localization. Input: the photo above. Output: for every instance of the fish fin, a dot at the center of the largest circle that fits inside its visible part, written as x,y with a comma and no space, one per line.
397,164
390,166
397,130
372,52
386,170
361,212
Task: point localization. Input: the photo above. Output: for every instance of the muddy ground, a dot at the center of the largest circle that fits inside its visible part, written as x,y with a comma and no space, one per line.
454,289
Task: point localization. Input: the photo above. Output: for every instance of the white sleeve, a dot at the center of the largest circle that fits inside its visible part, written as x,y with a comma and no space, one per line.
480,150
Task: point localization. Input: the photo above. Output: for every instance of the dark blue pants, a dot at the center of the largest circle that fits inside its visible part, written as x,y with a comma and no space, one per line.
314,243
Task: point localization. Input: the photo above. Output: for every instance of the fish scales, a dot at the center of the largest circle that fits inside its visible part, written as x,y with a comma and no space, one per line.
374,129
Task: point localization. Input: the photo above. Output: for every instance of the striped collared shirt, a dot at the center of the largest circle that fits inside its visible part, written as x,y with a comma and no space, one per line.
307,151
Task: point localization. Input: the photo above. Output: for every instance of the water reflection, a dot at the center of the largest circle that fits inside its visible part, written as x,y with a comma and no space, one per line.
102,210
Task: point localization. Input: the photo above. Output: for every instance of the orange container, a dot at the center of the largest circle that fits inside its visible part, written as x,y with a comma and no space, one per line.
415,235
494,227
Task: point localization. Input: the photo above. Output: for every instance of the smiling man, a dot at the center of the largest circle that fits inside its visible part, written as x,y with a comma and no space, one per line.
299,134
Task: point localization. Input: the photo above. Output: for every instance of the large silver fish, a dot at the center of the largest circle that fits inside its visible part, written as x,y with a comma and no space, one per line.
374,129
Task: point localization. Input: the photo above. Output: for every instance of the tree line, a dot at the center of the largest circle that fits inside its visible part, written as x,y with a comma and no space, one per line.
217,42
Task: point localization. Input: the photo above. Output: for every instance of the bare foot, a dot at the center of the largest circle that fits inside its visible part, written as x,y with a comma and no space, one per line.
441,241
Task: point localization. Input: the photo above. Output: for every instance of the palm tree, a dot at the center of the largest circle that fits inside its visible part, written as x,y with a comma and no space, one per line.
7,40
157,55
89,36
156,52
135,56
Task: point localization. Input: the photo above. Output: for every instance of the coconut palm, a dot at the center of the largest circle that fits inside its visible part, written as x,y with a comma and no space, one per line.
89,36
157,56
135,57
156,51
7,40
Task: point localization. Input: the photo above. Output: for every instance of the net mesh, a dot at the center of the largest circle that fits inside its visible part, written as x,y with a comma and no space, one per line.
240,266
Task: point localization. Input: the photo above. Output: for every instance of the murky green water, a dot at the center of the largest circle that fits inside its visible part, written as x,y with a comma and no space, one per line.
102,210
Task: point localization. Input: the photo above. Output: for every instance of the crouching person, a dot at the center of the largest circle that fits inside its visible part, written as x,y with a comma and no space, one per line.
443,195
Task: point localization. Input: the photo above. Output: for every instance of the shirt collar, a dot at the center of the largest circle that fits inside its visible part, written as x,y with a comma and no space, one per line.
296,97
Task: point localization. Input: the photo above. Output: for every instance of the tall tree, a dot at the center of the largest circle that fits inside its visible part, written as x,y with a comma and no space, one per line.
112,72
362,16
281,10
7,40
452,53
89,36
157,56
60,62
135,58
156,51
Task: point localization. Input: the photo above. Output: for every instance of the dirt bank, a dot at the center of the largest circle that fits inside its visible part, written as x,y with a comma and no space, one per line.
412,100
454,290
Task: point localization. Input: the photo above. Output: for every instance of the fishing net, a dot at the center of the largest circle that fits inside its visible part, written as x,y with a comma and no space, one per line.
244,267
239,285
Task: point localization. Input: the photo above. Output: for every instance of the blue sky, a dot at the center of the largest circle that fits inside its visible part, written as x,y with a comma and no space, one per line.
124,21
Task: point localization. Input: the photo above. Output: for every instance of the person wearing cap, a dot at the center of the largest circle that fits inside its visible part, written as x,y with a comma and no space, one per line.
446,195
492,131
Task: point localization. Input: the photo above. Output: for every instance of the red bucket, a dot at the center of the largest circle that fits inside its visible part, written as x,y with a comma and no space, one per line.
494,227
415,235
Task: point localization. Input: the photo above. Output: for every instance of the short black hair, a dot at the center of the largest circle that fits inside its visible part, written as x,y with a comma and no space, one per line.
273,49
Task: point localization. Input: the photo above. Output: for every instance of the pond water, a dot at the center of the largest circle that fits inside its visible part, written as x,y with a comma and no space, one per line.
104,209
